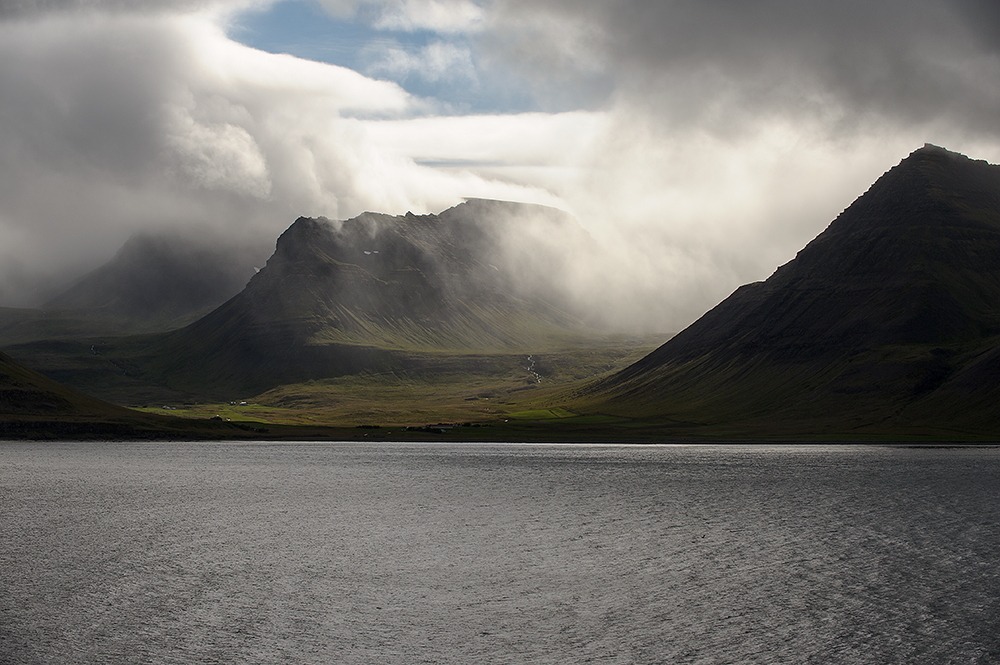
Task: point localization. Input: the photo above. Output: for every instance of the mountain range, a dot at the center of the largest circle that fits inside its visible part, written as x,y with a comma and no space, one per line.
376,293
371,294
885,326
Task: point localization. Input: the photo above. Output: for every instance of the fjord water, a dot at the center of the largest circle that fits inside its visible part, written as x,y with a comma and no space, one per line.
399,553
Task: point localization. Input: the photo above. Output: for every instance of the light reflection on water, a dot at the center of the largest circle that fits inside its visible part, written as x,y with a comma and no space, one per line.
423,553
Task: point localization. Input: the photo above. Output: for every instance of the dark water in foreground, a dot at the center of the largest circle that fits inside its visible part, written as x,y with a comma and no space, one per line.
330,553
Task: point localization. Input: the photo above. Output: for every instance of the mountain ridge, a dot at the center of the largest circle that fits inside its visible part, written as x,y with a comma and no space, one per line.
890,305
366,294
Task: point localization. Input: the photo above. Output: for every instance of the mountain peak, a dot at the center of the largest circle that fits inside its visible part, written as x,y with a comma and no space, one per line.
362,294
930,151
930,148
931,185
884,301
302,231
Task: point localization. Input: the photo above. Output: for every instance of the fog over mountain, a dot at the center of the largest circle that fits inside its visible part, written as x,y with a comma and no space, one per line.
888,318
701,143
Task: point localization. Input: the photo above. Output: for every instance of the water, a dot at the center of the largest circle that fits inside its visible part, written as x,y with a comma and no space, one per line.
346,553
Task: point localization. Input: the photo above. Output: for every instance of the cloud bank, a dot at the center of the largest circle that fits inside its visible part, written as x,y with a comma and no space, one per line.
737,131
705,142
117,120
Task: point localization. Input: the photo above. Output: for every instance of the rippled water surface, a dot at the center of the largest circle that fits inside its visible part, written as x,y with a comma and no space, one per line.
392,553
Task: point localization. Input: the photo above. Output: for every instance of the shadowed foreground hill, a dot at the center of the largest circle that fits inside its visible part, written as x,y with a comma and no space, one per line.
25,392
34,406
888,322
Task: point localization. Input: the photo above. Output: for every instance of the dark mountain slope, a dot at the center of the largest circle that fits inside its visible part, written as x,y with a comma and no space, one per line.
369,293
889,317
33,406
152,284
159,282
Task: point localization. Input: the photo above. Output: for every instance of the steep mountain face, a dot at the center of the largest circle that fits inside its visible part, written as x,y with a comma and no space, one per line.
161,282
362,294
891,314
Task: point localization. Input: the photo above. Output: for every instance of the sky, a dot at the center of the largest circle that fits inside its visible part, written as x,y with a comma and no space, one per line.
702,142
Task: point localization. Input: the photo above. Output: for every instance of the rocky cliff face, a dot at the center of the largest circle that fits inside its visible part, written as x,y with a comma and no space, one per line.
433,281
344,296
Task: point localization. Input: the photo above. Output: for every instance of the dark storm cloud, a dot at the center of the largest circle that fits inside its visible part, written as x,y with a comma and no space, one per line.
984,18
25,8
739,129
722,60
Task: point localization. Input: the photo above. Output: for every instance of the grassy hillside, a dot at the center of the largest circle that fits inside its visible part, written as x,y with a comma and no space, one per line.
436,388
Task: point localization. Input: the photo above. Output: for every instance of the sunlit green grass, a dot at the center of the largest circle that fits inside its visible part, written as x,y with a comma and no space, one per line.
449,388
543,414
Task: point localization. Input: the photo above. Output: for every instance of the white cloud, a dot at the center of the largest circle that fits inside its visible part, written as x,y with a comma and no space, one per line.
216,155
441,16
117,122
525,140
434,62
